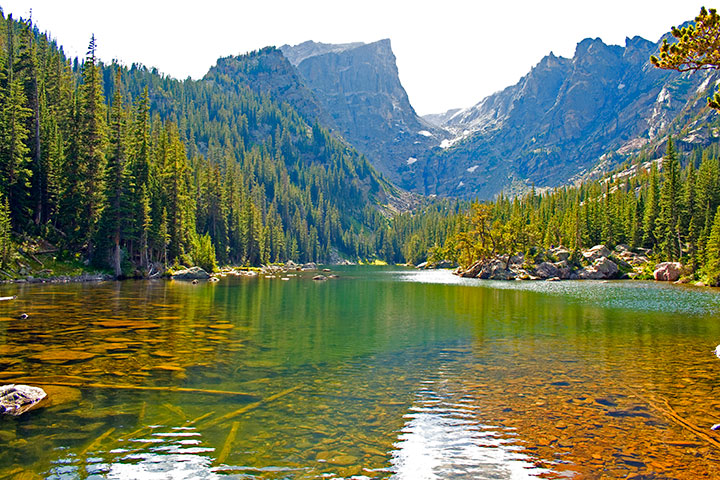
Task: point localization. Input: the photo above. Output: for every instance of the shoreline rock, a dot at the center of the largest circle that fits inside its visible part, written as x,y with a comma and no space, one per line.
85,277
668,271
557,263
192,273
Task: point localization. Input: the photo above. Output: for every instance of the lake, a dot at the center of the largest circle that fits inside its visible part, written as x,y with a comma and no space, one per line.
380,373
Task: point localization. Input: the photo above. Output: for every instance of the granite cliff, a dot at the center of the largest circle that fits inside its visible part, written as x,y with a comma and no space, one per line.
358,84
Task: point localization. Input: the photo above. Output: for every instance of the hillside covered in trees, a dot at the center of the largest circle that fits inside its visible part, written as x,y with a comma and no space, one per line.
133,171
667,208
126,167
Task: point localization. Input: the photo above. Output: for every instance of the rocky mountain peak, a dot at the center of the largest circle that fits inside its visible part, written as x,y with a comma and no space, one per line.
298,53
358,85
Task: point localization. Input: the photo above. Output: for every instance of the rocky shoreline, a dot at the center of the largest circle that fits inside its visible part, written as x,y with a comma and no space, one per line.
559,263
85,277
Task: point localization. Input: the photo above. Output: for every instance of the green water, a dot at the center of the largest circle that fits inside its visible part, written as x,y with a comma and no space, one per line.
380,373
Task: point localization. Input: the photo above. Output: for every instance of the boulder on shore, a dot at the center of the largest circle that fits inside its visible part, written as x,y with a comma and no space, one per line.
602,269
561,253
596,252
667,271
473,270
18,399
496,269
192,273
547,270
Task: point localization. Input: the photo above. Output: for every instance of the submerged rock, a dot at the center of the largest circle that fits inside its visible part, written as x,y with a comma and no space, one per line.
18,399
667,271
192,273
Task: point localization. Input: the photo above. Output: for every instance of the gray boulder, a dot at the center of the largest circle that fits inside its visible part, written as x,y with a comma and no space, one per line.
622,248
667,271
502,274
192,273
18,399
561,253
547,270
631,258
518,259
602,269
596,252
495,269
473,270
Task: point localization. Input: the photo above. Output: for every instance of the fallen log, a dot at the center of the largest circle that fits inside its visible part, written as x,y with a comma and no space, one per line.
4,299
136,387
228,443
250,407
96,443
201,418
31,255
675,417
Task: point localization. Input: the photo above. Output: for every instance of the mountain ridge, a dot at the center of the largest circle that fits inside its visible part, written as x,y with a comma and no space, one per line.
562,118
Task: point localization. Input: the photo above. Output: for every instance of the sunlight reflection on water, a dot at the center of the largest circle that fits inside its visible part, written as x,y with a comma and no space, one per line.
625,294
442,438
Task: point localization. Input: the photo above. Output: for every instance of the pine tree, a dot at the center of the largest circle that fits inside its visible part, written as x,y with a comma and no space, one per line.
667,230
117,211
711,270
15,161
176,187
85,166
6,247
650,214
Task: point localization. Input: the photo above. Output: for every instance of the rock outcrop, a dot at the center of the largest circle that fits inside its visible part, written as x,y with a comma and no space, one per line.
596,252
547,270
602,269
598,266
18,399
192,273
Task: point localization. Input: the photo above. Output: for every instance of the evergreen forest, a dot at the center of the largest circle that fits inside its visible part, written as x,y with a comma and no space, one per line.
132,171
126,168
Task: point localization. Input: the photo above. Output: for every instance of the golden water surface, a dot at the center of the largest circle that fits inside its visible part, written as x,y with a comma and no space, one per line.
380,373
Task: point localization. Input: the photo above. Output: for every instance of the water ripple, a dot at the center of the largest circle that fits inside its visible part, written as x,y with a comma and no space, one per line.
442,439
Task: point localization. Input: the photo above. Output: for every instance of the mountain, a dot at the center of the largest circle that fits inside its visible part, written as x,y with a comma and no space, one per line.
438,119
130,169
268,72
358,85
567,116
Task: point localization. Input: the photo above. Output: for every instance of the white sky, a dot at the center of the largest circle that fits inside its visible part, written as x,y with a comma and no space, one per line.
450,53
